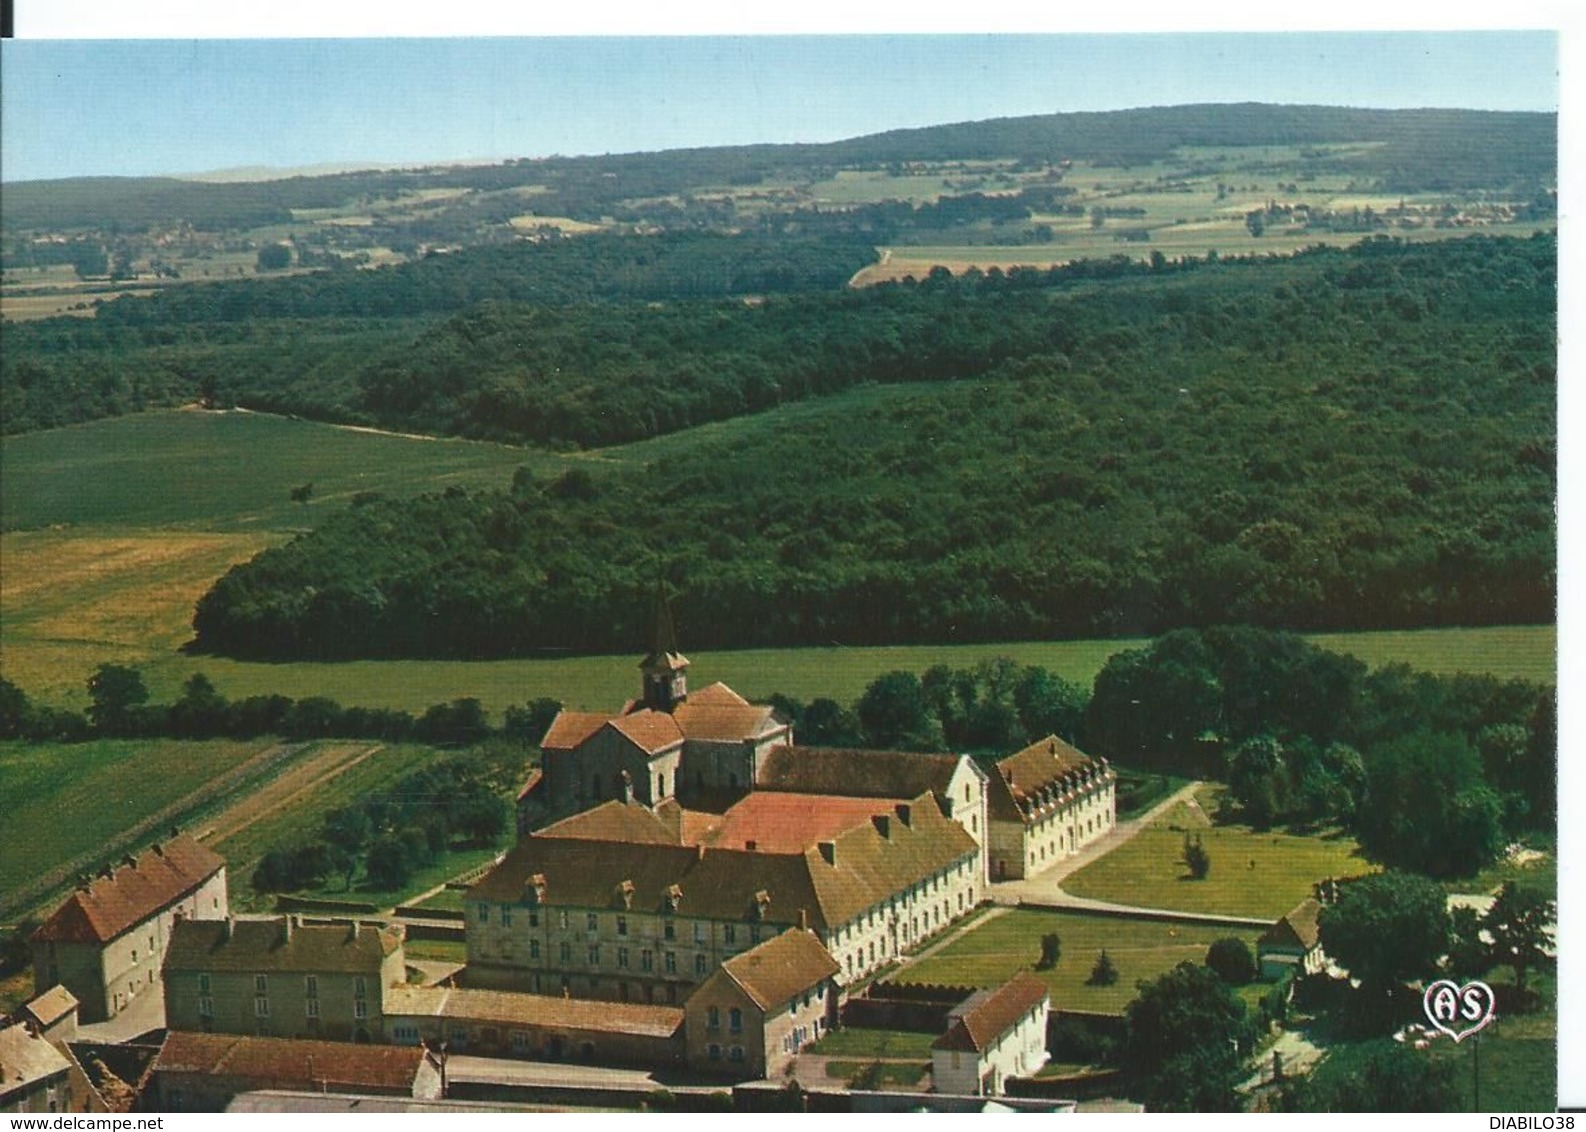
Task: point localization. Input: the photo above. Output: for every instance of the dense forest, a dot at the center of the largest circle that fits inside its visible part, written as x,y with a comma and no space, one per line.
1392,150
1348,439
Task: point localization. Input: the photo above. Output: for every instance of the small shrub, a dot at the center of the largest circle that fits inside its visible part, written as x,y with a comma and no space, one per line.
1195,857
1231,959
1104,973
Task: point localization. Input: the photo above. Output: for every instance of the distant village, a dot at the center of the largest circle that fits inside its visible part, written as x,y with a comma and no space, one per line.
691,892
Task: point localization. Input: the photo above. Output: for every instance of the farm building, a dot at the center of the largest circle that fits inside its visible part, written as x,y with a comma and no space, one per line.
106,943
994,1035
1292,943
203,1072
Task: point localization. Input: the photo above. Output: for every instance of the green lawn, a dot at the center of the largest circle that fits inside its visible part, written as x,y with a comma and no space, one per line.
62,800
437,950
869,1075
853,1042
446,900
1141,950
1252,874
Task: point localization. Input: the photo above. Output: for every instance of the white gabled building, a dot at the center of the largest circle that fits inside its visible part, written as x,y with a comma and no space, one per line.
994,1035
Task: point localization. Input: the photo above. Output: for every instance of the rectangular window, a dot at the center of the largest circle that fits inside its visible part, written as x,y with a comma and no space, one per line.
534,918
622,925
622,958
484,914
360,986
261,984
699,933
360,1009
203,984
729,933
671,962
311,986
534,949
206,1007
593,922
670,930
699,963
261,1007
647,960
565,952
713,1018
311,1008
735,1020
506,916
594,956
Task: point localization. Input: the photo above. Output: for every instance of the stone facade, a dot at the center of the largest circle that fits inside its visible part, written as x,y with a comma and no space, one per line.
1047,802
278,977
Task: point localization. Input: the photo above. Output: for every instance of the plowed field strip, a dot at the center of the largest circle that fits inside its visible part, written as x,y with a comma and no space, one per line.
287,789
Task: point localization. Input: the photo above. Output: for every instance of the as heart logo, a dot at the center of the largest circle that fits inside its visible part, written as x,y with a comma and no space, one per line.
1459,1011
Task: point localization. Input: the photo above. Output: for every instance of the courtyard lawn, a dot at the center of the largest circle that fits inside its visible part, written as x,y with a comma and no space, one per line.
1140,949
853,1042
1257,874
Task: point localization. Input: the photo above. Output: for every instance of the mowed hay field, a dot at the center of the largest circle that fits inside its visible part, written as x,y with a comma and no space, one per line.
1256,874
993,951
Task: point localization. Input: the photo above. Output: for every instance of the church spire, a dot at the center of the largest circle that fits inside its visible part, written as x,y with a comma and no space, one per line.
665,669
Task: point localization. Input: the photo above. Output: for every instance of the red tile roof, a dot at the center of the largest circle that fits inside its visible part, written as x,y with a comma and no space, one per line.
1300,928
51,1006
717,695
789,823
986,1021
782,967
649,730
109,906
570,728
728,722
290,1063
1018,779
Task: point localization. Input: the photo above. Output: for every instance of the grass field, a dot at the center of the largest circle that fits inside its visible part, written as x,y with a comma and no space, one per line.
1252,874
1142,949
63,800
225,471
852,1042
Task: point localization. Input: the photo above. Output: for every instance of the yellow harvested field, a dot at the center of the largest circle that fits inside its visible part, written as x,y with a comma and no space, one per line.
71,600
561,223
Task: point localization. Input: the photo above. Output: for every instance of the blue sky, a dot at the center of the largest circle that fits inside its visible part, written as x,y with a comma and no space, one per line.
77,107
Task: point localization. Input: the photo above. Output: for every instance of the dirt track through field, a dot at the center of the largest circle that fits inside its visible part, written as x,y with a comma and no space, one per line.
287,789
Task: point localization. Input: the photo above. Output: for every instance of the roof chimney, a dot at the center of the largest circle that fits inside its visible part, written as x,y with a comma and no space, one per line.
905,812
749,845
829,852
882,823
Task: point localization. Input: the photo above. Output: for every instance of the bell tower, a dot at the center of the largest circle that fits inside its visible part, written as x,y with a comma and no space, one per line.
665,670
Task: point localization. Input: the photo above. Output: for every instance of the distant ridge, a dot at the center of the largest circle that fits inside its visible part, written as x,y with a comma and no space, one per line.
1415,149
